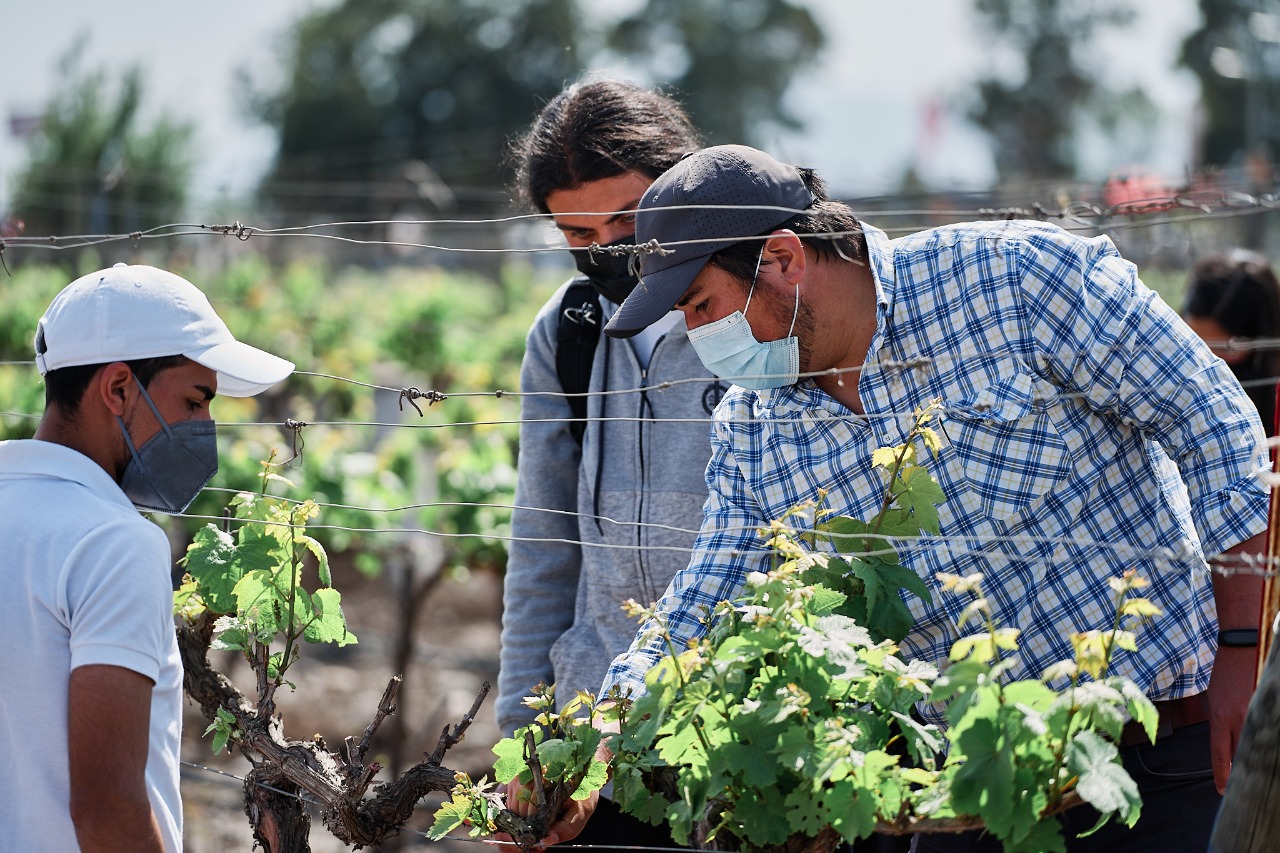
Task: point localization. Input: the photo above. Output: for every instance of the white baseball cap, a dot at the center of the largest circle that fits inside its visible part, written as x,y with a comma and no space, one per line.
131,312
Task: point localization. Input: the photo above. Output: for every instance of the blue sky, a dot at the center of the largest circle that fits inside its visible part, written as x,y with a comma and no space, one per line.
864,103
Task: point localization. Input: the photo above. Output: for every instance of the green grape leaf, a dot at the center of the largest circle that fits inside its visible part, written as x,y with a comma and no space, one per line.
322,559
212,560
836,639
1104,783
258,600
634,797
852,811
510,763
923,741
328,625
559,758
1098,705
805,811
824,601
450,816
683,747
593,780
897,523
1044,837
983,785
258,549
921,494
743,760
1140,707
220,737
847,535
763,818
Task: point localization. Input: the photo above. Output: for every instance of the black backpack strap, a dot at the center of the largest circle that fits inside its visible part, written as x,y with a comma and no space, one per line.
578,334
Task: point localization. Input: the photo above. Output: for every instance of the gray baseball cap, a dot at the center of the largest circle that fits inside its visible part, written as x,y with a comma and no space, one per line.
715,198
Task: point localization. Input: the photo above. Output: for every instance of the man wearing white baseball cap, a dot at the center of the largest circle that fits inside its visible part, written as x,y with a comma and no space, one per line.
90,697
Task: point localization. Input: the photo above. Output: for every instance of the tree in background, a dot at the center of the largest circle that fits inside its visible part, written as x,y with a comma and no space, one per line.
1034,117
94,167
390,105
729,62
394,101
1236,54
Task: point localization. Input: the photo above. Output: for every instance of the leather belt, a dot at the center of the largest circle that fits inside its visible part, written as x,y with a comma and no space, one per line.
1174,714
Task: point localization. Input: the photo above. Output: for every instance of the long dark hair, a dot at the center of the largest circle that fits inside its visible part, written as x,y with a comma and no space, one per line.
1239,290
598,129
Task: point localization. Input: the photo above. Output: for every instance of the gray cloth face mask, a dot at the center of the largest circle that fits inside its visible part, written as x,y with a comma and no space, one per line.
167,472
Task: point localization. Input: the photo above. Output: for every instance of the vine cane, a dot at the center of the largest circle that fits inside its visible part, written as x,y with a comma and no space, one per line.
1270,587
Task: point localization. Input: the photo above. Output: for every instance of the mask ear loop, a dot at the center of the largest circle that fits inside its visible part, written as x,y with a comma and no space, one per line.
128,440
159,417
795,312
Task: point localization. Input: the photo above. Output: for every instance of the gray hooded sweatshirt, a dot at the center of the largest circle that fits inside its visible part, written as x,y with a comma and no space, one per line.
595,527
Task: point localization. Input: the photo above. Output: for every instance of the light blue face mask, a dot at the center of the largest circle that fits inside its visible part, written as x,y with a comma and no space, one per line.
729,349
166,473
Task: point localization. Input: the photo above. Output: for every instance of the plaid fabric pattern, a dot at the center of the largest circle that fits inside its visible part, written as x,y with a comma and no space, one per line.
1086,431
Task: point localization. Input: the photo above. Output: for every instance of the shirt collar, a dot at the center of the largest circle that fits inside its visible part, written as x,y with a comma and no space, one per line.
880,255
46,459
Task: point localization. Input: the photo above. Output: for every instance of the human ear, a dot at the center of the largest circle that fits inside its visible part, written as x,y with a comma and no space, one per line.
786,251
114,385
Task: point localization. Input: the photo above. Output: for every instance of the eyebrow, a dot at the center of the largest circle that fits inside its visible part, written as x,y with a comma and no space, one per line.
629,209
694,291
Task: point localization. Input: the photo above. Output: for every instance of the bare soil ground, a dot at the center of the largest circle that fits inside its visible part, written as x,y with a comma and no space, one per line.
455,651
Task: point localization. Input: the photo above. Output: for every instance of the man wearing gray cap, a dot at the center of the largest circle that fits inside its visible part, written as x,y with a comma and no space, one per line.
1087,431
90,694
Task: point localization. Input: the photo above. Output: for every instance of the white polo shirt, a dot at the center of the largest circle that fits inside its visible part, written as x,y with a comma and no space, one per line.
84,579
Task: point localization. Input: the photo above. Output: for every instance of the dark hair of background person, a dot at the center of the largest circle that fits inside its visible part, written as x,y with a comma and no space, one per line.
1239,290
65,386
599,129
828,227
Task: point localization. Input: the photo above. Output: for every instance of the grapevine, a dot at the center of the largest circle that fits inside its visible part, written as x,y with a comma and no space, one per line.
790,725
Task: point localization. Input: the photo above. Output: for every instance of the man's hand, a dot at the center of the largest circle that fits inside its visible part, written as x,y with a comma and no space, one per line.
1230,689
1237,593
574,814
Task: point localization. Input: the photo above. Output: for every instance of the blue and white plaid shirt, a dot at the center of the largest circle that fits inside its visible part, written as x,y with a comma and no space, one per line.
1073,396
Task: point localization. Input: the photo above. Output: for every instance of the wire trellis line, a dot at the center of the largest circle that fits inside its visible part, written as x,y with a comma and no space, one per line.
1225,564
1077,215
893,367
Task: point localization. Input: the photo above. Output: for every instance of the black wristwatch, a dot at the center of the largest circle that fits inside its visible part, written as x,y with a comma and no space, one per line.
1238,637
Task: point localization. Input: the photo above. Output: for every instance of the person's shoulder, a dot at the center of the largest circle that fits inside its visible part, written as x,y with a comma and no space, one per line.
1008,231
738,408
547,321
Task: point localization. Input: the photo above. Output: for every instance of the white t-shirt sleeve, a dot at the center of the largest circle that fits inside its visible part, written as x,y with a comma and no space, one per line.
117,598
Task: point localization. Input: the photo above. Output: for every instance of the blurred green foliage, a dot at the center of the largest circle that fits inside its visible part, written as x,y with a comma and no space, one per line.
97,164
363,448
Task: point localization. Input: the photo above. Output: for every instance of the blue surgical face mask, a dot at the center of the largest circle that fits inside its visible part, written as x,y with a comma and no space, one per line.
167,472
729,349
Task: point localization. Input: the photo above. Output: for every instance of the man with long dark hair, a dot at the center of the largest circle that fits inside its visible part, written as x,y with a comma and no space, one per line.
610,483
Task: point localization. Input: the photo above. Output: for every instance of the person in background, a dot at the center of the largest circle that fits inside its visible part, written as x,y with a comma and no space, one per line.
610,485
1233,303
91,688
